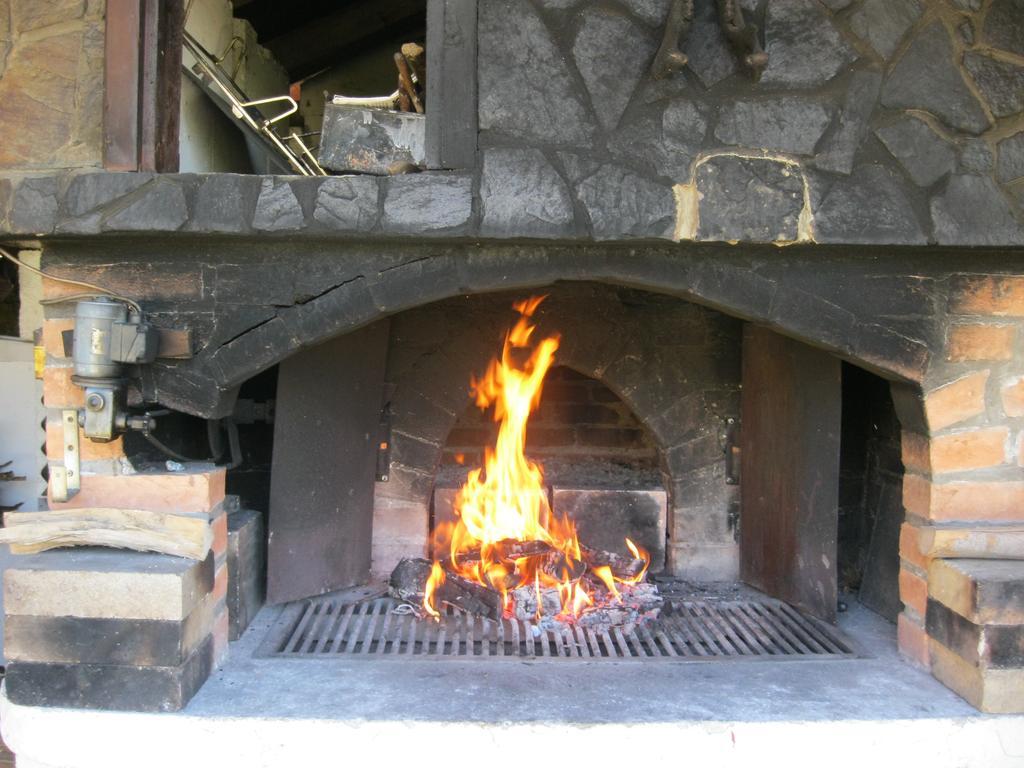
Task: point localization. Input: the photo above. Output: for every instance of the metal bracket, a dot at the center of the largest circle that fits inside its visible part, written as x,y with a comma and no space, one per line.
65,480
732,450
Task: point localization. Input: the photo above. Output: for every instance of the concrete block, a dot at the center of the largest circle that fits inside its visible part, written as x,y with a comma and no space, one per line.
133,642
107,584
991,645
108,686
982,591
247,569
987,688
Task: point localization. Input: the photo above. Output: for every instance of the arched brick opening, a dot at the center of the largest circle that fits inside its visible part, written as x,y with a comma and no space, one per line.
674,364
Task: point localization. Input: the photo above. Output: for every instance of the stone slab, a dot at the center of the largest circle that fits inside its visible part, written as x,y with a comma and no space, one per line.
375,141
988,689
605,517
247,567
107,584
999,646
982,591
108,686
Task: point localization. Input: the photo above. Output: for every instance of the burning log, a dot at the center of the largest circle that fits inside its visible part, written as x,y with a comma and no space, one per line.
409,578
622,567
507,550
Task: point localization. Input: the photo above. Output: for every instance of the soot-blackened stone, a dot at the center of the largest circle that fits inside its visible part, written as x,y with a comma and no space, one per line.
804,49
976,155
348,203
522,195
34,208
838,149
883,23
749,199
1001,82
784,124
1011,158
926,78
611,80
924,154
159,206
1004,26
871,206
973,211
526,89
710,57
89,191
622,204
224,203
277,207
427,202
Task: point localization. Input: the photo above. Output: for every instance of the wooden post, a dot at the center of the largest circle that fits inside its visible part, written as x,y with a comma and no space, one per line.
142,85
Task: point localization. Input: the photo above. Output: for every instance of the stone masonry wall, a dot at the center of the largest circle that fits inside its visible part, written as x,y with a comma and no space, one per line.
895,121
51,83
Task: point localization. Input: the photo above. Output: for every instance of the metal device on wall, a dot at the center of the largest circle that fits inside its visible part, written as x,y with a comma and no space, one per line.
742,36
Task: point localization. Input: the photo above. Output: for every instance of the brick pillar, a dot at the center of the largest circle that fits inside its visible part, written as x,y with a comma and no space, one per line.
112,629
964,498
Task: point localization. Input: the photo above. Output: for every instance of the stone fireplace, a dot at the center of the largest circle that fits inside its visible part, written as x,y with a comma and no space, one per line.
790,315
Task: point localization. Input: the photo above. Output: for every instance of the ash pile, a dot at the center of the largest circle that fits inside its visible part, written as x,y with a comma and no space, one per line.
540,585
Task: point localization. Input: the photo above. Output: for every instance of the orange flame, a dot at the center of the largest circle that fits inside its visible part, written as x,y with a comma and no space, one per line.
506,500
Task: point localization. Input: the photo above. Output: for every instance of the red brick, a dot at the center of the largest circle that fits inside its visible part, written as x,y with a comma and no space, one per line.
913,591
157,492
913,641
910,546
970,449
220,535
956,401
220,638
220,584
59,391
1013,396
965,501
980,342
88,450
1002,296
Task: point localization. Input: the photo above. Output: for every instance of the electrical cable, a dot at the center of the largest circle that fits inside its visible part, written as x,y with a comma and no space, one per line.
69,281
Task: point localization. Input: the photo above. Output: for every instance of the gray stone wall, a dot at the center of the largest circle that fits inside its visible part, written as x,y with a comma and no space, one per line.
876,121
51,83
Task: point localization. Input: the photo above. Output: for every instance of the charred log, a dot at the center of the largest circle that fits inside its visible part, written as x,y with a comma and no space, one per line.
622,567
409,579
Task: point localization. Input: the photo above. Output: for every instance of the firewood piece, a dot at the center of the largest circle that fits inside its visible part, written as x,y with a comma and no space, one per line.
136,529
409,579
508,550
405,83
559,567
622,567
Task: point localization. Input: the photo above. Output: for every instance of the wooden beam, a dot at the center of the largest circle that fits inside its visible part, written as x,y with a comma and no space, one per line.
451,129
137,529
121,85
142,85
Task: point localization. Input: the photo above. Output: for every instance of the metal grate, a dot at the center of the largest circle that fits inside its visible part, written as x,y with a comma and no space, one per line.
698,630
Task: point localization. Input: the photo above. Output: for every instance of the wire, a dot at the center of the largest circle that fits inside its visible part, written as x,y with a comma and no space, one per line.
80,283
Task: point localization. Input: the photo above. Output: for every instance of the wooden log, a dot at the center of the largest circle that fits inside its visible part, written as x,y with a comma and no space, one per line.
622,567
408,582
507,550
136,529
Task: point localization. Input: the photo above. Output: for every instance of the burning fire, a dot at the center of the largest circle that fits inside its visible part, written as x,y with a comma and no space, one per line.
503,507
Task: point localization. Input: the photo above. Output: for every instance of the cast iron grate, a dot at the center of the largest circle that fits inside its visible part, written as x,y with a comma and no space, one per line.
697,630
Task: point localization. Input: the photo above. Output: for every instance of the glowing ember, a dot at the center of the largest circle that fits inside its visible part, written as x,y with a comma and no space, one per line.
506,536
